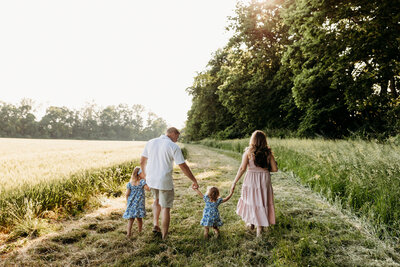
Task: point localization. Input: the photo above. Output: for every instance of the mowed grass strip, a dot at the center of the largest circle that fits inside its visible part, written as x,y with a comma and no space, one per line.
362,176
309,231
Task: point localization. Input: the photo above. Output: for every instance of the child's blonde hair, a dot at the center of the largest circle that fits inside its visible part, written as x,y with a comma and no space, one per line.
212,193
135,174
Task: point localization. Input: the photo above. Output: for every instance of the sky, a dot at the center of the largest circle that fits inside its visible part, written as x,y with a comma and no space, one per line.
68,53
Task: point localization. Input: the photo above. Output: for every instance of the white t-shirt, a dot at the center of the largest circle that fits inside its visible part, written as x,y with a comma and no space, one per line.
161,153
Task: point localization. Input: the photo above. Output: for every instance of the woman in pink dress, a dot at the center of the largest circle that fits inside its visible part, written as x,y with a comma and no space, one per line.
256,203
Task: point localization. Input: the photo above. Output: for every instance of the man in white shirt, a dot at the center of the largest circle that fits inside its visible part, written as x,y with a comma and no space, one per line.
157,164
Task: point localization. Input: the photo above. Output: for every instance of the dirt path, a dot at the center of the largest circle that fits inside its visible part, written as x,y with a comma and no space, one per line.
309,231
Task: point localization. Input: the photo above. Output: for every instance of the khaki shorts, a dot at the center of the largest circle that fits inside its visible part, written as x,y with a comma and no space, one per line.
165,197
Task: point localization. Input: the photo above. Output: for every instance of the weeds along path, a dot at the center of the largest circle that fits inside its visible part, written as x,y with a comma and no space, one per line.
309,231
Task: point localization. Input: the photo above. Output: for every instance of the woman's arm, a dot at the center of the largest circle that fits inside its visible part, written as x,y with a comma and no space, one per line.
198,192
274,165
241,170
228,197
146,187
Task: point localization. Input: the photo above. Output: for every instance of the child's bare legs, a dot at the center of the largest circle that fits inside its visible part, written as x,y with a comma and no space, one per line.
206,229
216,231
130,222
259,230
140,224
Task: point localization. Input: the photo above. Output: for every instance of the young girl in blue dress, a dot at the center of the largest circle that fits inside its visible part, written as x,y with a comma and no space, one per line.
211,216
135,198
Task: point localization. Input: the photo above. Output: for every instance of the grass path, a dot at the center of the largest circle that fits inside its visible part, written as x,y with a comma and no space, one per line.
309,231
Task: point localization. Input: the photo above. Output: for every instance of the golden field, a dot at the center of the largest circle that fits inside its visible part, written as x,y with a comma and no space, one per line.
59,176
32,161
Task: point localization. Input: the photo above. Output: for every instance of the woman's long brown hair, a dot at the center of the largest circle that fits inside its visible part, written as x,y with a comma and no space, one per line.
258,148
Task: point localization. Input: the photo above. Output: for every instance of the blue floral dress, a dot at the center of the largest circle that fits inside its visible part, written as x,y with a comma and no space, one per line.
135,207
211,214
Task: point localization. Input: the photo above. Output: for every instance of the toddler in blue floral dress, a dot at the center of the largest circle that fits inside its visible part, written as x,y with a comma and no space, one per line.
211,216
135,198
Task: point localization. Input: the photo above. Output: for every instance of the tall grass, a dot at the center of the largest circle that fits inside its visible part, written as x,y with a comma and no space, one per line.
68,196
48,178
362,176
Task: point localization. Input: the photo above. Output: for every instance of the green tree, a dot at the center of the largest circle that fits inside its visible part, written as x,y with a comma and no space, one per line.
88,127
8,126
251,90
57,122
247,84
109,121
121,122
345,61
207,115
26,124
18,121
155,126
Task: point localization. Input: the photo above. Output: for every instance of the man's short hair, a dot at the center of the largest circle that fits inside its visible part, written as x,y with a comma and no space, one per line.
171,130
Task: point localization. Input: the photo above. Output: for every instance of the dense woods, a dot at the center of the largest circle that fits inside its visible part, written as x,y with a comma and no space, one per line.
303,68
121,122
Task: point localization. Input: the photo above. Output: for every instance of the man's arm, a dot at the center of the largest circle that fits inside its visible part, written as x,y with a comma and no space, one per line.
143,163
186,170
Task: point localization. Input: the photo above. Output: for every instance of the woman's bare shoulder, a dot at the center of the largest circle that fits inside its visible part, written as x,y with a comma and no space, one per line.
246,154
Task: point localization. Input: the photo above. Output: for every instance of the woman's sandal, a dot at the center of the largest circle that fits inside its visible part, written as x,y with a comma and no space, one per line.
250,226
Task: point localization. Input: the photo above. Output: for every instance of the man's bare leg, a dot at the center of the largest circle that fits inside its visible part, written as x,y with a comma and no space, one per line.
165,221
156,213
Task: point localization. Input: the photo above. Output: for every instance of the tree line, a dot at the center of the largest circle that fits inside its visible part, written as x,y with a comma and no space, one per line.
303,68
92,122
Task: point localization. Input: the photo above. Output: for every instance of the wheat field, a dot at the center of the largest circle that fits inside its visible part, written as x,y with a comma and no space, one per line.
61,176
31,161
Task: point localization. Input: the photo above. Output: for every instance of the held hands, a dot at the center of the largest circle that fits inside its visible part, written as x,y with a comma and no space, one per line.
195,186
142,175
